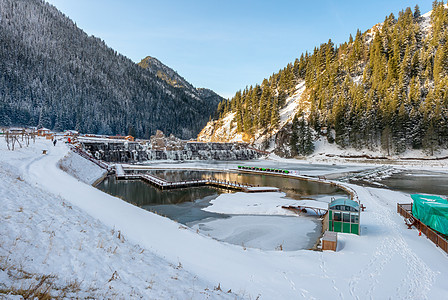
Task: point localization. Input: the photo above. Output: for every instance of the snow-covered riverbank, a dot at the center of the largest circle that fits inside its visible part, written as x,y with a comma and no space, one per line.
96,245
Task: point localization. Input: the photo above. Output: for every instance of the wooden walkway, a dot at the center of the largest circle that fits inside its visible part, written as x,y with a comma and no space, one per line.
163,184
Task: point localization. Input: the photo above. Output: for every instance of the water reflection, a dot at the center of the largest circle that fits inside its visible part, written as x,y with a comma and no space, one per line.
424,182
184,205
294,188
141,194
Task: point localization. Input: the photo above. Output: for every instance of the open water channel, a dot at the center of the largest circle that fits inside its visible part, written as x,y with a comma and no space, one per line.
418,182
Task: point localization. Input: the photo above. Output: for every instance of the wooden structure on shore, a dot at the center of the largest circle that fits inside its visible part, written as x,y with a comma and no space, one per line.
440,240
163,184
43,132
330,241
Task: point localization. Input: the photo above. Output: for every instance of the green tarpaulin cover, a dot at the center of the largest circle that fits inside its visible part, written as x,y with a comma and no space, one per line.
431,211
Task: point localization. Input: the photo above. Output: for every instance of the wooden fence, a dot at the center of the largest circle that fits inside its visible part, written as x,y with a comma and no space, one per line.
440,240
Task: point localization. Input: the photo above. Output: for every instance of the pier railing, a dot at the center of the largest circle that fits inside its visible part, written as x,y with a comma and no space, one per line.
437,238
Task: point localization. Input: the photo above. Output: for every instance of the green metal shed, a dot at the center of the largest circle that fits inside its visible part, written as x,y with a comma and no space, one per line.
344,216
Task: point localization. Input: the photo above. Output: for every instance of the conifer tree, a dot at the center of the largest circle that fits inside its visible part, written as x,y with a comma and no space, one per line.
293,137
264,107
417,13
401,93
441,62
386,139
274,114
131,131
430,139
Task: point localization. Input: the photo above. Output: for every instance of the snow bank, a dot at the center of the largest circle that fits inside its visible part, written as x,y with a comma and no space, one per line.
43,234
263,232
258,204
81,168
224,130
292,105
55,224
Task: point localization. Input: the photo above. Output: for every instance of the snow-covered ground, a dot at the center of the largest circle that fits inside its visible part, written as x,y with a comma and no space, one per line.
45,238
268,226
259,204
292,105
83,170
262,232
93,244
324,152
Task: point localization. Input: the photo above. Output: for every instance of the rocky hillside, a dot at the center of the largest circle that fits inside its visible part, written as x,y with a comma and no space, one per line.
54,75
164,72
383,90
171,77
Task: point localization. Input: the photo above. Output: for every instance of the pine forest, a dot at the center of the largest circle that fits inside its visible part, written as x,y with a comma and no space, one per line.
383,89
52,74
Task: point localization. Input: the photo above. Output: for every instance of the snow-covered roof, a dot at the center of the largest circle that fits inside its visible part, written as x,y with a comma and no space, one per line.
262,188
16,129
344,201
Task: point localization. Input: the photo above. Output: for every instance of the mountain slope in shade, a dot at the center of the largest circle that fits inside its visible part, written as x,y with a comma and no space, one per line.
54,75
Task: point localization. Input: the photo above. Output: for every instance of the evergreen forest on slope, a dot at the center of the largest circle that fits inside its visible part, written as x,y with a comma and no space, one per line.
386,88
52,74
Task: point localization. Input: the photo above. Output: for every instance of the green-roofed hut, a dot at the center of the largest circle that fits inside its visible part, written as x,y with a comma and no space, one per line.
343,216
431,211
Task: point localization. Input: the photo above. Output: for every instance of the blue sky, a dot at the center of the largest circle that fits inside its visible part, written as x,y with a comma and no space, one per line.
226,45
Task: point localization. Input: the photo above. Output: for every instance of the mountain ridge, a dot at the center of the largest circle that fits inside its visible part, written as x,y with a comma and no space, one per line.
54,75
173,78
383,90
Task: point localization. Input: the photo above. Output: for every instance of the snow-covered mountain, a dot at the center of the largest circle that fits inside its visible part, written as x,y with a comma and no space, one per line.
225,129
54,75
381,91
